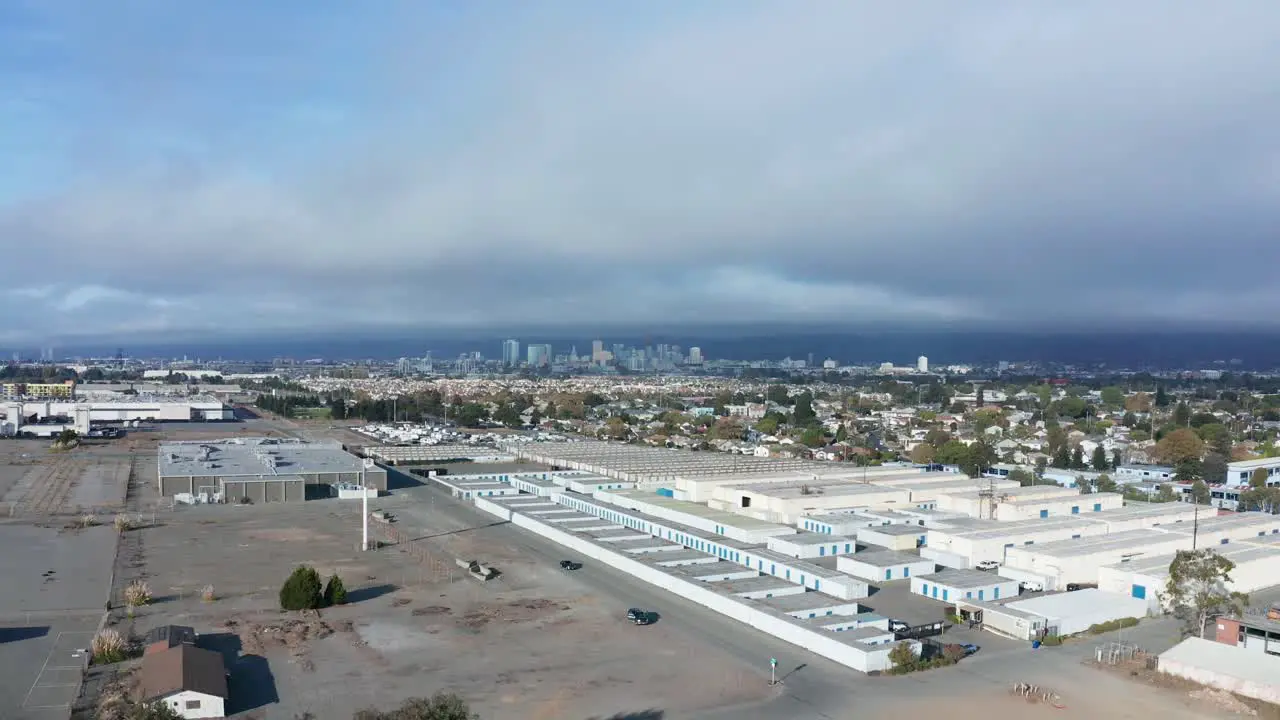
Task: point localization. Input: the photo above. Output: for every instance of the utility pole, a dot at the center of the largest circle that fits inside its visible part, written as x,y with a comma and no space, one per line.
1195,524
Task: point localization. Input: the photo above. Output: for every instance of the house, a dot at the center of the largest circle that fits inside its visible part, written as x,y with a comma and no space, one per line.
167,636
191,680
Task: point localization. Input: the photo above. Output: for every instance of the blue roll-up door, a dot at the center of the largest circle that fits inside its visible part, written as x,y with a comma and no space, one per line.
1140,592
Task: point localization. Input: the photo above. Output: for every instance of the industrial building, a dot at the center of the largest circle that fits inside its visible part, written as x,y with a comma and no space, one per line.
956,584
260,470
427,454
1257,566
144,408
787,502
894,537
885,565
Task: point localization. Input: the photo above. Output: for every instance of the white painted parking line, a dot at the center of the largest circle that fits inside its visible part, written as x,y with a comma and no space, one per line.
60,659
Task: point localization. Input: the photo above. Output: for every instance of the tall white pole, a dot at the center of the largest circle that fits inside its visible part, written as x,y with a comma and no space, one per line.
364,518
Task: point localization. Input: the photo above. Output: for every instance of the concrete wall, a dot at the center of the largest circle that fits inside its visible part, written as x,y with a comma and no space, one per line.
876,573
811,546
1055,507
1205,672
815,641
264,491
872,536
998,589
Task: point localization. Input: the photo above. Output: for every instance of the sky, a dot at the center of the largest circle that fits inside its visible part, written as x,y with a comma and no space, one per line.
195,169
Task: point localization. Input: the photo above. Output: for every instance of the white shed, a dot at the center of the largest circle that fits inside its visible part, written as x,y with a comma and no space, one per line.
881,565
894,537
811,545
953,585
1070,613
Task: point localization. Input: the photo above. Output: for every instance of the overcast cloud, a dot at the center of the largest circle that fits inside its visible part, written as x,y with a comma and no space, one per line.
168,168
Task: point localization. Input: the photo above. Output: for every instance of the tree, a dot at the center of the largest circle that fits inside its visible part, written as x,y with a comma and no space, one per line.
508,415
1062,457
842,433
922,454
1077,458
957,408
1200,492
1116,459
335,593
1188,470
535,417
953,452
1164,494
441,706
1181,415
1258,479
1022,477
1162,398
979,457
551,409
1197,589
937,437
1181,444
67,437
1214,468
803,413
1099,460
1104,483
302,590
903,657
813,437
152,711
768,424
1113,396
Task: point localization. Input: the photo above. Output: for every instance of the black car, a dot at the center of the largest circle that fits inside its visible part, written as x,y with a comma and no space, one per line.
635,613
643,618
570,565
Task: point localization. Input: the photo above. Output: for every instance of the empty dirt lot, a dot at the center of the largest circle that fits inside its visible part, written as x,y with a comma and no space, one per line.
535,643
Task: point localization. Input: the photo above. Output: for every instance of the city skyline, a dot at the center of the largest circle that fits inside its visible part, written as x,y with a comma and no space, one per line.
233,169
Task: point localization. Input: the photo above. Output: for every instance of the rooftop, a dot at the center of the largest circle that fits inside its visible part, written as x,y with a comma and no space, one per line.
1134,540
815,489
802,601
182,667
254,457
1256,668
723,517
885,558
895,530
963,578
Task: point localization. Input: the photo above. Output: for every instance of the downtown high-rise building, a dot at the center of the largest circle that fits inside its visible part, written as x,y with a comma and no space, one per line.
539,355
922,364
511,353
695,355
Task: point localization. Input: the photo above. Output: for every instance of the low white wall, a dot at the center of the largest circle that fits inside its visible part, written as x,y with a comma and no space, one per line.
944,558
1267,692
814,641
493,508
1021,575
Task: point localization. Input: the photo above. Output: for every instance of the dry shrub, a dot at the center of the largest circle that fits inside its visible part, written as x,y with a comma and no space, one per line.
123,523
88,521
108,646
137,593
206,594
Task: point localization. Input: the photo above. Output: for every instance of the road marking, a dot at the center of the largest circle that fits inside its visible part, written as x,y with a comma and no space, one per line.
45,667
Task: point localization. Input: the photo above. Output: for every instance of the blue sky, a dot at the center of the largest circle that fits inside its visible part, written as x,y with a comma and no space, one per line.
221,168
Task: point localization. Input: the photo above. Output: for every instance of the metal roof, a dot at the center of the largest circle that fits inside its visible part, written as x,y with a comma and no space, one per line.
254,457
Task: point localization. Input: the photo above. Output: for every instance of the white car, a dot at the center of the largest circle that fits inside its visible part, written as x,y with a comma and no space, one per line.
1031,586
988,565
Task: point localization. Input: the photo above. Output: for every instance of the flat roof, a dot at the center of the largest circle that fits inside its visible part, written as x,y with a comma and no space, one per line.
807,537
964,578
1234,662
994,529
253,457
797,602
1134,540
1080,499
801,566
886,558
723,517
1069,604
721,567
1242,552
685,529
756,584
1233,521
896,529
1253,464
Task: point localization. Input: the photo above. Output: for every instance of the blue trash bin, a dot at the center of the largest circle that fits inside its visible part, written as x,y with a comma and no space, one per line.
1035,644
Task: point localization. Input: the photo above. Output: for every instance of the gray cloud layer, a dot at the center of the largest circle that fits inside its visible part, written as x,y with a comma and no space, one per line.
831,161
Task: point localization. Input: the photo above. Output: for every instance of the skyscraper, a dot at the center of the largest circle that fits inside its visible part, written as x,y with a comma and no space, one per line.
511,353
539,355
922,364
695,355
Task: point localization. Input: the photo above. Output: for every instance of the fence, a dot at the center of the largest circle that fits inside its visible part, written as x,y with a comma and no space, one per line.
433,563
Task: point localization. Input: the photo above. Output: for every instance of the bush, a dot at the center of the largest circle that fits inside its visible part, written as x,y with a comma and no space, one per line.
1111,625
441,706
123,523
88,521
301,591
1051,640
206,594
108,646
137,593
153,711
335,593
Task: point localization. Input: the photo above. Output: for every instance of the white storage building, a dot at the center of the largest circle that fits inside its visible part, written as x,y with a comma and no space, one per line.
811,545
991,540
953,585
971,503
788,502
894,537
734,526
1078,560
1033,508
883,565
1071,613
1257,567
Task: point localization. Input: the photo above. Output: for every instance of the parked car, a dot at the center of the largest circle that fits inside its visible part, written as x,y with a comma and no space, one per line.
634,613
569,565
1072,587
970,648
1031,586
988,565
643,618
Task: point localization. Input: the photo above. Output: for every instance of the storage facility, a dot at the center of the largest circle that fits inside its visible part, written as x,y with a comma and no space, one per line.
883,565
788,502
1071,613
894,537
1032,508
1257,566
1078,560
260,469
954,584
812,545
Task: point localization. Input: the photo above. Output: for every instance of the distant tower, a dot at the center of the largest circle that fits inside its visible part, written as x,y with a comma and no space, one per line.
922,364
511,353
695,355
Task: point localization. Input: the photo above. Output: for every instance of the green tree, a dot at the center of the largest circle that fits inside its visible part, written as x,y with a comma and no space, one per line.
953,452
441,706
1214,468
1077,458
302,590
903,657
1062,457
1200,492
768,424
1099,460
1188,470
803,413
1179,445
1104,483
842,433
535,417
1022,477
979,457
1045,395
778,394
508,415
551,411
152,711
1197,589
1162,398
1164,494
922,454
335,593
813,437
1181,415
1116,459
957,408
1201,419
1258,479
1113,396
